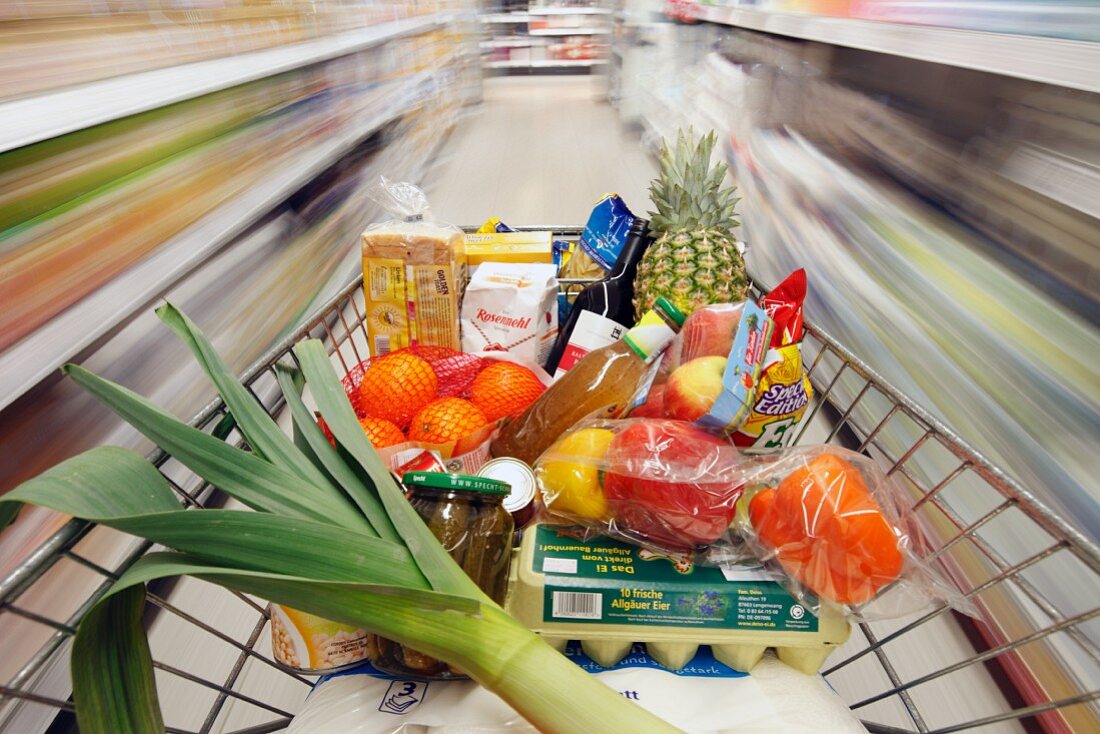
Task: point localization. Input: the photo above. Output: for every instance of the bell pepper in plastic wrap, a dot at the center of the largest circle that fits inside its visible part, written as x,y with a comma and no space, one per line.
827,531
663,484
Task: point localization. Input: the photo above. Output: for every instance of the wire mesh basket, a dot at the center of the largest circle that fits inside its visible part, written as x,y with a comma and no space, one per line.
1031,663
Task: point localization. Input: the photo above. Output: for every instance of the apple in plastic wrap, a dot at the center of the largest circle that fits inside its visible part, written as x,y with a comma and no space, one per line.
670,484
693,388
708,332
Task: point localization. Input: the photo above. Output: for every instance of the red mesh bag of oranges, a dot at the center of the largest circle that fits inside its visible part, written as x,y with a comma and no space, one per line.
436,398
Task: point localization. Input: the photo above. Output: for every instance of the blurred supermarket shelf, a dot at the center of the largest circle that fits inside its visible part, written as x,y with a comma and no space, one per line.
49,115
548,64
569,11
569,31
36,356
514,42
1066,63
525,16
506,17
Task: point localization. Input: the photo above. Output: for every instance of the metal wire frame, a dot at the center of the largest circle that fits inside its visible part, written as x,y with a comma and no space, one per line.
845,389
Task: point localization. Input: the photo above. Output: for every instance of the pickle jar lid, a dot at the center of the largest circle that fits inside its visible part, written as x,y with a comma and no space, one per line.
455,482
516,475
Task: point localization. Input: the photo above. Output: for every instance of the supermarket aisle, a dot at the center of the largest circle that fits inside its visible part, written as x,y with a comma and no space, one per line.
540,150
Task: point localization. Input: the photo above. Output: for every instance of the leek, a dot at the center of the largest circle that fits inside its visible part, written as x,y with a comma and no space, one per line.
329,532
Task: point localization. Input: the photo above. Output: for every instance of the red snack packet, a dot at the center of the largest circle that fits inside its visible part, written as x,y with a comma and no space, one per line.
783,391
784,305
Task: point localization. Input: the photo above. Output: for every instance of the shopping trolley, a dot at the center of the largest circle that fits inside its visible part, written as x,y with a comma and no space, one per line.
1031,661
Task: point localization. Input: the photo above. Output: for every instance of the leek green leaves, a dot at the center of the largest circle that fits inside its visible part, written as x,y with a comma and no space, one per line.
329,532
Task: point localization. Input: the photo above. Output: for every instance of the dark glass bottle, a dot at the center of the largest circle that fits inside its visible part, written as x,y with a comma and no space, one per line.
612,297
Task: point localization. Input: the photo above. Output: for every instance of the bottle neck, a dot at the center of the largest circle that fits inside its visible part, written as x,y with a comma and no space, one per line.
633,249
649,337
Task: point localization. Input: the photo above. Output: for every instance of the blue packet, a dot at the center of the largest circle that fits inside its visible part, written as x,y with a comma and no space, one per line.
606,232
559,249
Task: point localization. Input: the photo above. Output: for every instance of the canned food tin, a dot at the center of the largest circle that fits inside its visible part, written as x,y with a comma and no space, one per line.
521,500
310,644
423,461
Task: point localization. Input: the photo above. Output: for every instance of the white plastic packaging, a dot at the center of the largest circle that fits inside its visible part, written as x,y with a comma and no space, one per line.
774,699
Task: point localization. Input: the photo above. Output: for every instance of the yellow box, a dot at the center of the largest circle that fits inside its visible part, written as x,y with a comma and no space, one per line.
510,247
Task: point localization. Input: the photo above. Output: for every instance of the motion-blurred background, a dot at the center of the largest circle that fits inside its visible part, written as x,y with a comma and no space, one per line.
934,164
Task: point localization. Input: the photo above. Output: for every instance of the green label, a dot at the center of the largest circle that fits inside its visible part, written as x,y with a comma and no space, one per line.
603,581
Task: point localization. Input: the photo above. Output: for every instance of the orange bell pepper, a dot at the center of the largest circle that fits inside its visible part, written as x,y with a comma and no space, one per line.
827,531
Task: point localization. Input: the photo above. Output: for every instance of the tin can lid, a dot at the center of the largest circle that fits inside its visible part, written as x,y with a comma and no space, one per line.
515,473
455,482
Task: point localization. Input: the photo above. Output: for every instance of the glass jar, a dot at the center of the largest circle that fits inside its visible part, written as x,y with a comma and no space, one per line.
466,514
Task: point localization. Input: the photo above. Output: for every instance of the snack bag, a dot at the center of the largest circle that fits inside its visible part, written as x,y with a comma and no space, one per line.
493,224
834,525
602,240
662,484
784,390
414,273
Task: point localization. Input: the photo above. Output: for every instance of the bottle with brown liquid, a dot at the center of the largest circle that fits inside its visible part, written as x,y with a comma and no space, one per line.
601,385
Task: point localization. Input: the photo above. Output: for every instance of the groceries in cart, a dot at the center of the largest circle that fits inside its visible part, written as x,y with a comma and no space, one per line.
602,240
661,500
837,530
466,515
512,307
610,594
605,382
602,309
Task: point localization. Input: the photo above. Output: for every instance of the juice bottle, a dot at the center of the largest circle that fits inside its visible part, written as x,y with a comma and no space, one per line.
601,385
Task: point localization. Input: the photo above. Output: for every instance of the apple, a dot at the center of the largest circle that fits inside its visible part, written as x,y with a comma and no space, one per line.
693,388
670,484
709,332
654,405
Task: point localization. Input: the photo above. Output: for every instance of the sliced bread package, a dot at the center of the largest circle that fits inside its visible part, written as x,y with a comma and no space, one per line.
414,273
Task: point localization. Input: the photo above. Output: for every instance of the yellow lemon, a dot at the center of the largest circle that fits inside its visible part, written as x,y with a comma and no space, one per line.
570,473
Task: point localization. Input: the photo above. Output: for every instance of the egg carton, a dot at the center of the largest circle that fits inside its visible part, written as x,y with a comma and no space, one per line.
609,595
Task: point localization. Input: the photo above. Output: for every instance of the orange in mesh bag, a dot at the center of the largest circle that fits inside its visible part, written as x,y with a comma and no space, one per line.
443,399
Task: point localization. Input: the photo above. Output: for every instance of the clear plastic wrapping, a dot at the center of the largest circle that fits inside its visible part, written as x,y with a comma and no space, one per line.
414,273
661,484
836,530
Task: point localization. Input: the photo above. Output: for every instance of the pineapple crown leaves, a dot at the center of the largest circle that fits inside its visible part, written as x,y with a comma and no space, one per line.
688,192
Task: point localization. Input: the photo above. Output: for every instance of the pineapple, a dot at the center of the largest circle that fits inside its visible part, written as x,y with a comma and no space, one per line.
694,260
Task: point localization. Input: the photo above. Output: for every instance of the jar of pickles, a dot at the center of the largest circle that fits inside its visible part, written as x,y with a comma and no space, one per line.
466,514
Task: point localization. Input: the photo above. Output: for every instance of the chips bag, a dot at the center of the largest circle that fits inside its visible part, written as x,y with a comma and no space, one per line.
784,389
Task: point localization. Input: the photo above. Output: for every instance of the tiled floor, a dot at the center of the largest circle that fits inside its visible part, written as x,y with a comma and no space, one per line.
540,150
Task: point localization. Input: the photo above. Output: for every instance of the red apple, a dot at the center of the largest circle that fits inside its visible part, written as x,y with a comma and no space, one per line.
654,405
709,332
670,484
693,388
